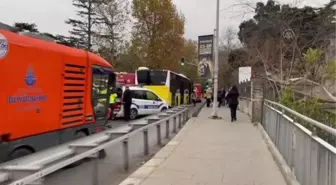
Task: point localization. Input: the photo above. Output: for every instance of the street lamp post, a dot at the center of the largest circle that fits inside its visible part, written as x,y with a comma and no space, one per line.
214,106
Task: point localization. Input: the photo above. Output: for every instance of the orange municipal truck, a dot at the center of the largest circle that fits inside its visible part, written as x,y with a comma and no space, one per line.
49,94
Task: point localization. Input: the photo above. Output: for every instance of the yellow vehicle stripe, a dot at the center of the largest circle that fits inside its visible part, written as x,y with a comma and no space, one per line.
162,91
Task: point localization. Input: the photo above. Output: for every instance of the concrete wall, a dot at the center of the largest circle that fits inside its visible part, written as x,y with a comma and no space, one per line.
245,106
253,109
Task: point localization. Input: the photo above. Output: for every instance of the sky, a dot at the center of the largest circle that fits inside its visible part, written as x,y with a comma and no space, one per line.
50,15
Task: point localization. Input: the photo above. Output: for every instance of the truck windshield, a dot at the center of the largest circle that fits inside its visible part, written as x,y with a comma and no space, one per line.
146,77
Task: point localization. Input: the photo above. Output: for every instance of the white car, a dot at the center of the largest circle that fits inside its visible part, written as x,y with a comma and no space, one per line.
144,102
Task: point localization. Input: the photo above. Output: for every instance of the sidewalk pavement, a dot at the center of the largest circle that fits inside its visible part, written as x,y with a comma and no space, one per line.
212,152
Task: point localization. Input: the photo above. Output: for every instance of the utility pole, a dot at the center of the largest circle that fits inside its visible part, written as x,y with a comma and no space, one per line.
89,26
214,106
213,56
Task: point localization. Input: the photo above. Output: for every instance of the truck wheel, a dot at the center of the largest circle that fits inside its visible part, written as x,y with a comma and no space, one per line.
133,114
20,152
80,134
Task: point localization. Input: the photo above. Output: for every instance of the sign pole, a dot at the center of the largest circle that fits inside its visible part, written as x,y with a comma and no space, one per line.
214,106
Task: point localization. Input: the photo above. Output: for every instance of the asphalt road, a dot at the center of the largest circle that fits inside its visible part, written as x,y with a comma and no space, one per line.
110,169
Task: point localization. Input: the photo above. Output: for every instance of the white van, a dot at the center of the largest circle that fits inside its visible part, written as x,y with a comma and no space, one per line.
144,102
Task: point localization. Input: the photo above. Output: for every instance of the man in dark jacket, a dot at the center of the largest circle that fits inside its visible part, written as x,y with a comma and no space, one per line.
127,99
232,98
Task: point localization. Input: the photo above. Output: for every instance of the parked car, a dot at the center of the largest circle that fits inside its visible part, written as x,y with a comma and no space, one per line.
144,102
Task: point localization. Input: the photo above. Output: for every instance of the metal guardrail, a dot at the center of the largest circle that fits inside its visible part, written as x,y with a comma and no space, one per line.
311,159
32,169
322,126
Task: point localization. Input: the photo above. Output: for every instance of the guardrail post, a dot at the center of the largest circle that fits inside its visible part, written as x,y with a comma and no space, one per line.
95,180
167,129
175,125
146,147
180,120
187,115
158,132
126,155
184,117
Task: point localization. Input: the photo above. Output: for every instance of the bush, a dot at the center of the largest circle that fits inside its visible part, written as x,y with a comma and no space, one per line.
312,108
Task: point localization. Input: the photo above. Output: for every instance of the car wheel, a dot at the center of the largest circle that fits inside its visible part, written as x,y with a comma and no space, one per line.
164,109
133,114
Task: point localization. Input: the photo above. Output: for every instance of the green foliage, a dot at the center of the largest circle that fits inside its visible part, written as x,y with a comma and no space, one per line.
312,56
237,58
32,27
23,26
331,70
158,33
263,36
309,24
307,106
190,60
312,108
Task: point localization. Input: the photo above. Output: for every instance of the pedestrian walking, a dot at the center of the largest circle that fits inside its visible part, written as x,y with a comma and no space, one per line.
232,98
193,97
208,97
127,100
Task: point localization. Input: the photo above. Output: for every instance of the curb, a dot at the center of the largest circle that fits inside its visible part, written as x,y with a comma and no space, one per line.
281,163
198,110
144,171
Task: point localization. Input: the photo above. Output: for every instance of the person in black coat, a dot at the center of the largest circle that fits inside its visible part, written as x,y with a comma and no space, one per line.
127,100
232,98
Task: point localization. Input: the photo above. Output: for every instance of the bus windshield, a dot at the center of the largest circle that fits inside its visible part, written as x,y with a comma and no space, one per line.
146,77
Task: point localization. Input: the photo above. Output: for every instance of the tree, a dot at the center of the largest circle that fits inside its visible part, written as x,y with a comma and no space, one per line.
83,28
23,26
237,58
231,57
126,60
158,33
229,40
262,35
114,16
190,56
32,27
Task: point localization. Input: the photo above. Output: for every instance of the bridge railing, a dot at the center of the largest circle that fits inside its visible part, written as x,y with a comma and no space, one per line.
35,168
311,159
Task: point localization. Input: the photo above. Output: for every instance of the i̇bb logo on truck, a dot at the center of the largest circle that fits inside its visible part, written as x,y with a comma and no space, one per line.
3,46
28,97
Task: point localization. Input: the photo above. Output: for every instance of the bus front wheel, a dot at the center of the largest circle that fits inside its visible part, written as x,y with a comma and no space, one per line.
20,152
